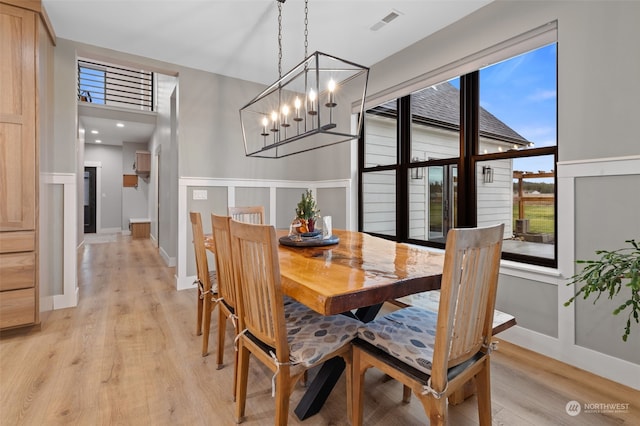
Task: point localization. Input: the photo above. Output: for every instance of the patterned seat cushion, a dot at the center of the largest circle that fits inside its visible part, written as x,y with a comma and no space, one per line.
312,336
407,334
431,300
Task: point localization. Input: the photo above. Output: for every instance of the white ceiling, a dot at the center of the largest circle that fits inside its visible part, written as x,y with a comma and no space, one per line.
238,38
135,126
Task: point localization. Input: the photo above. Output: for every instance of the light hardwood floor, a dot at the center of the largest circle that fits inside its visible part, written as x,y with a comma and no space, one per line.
129,355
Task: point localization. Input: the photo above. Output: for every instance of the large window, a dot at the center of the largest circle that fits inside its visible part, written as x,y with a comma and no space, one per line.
474,150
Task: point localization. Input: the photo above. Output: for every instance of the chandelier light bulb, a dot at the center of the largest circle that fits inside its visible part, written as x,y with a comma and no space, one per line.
297,104
274,118
331,102
265,123
312,101
285,113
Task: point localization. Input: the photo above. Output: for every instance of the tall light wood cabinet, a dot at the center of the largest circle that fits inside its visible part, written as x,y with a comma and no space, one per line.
21,23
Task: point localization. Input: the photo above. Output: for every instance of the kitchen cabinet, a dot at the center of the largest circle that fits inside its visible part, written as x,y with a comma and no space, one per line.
25,38
143,163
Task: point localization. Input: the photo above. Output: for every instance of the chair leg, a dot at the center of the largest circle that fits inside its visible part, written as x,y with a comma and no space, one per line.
222,328
406,394
348,360
200,308
283,392
357,382
436,410
235,374
207,326
483,383
241,381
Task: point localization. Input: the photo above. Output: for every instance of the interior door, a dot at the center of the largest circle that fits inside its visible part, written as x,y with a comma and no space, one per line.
89,200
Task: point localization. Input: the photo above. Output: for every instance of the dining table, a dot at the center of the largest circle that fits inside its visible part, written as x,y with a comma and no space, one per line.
352,274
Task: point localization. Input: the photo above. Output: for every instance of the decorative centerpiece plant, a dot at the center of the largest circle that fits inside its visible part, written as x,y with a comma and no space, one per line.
609,274
307,211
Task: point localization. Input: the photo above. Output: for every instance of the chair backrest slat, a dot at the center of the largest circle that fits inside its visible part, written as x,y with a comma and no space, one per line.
260,304
224,258
467,296
248,214
202,264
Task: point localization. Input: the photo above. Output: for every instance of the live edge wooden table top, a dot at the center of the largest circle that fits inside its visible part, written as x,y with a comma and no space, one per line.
359,271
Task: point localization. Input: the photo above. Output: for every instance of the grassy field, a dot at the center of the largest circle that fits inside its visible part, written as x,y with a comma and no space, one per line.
541,217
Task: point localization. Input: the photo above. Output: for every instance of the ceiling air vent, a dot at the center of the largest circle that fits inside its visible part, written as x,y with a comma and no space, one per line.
384,21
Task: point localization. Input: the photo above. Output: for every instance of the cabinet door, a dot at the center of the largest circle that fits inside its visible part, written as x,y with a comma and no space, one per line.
17,119
17,307
143,162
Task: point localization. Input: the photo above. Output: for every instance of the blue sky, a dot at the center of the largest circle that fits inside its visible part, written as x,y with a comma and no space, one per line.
522,93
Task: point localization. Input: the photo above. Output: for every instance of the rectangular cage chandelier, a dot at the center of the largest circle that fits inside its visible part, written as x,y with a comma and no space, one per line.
309,107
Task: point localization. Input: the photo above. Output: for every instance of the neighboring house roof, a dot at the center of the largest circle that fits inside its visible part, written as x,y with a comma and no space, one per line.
439,106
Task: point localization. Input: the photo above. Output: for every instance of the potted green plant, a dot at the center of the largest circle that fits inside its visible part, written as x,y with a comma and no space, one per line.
307,211
608,275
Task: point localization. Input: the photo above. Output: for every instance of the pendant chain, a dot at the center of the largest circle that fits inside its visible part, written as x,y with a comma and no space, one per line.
306,27
279,40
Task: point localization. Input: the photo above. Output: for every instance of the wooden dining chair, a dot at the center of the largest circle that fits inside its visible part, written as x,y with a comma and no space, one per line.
287,341
435,353
206,280
248,214
226,285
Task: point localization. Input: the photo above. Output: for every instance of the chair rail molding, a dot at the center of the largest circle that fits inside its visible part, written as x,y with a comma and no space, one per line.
183,281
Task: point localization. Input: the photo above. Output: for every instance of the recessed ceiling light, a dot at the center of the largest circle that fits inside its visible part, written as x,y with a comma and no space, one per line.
94,132
98,141
120,124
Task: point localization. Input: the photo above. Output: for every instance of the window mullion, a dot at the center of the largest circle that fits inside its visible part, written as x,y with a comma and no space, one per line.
404,153
469,123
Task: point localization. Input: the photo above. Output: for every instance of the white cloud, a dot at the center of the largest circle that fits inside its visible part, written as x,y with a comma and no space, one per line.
542,95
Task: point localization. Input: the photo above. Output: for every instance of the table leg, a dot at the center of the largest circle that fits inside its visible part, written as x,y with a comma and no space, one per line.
368,313
329,374
320,388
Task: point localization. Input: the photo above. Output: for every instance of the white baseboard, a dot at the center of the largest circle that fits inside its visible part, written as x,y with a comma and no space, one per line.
615,369
61,301
185,283
46,304
108,230
170,261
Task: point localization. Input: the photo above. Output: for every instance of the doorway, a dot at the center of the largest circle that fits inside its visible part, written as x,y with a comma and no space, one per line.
443,181
90,200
